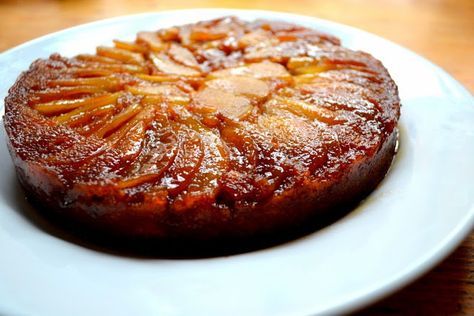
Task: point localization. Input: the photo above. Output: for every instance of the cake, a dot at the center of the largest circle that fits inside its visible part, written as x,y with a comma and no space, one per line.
217,129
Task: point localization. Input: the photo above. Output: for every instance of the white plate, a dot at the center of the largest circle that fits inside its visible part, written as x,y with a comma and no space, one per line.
415,218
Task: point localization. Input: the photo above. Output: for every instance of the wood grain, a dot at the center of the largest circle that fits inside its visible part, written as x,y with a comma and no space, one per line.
440,30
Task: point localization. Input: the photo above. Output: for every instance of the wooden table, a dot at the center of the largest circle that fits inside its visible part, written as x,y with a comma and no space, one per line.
440,30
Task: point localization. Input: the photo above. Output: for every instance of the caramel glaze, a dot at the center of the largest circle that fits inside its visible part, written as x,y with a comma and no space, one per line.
214,129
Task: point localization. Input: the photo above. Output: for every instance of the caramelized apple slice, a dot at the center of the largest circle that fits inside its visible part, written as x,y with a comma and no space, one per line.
97,123
94,62
199,34
303,141
214,165
157,163
83,114
114,68
133,47
119,120
169,34
61,93
89,72
230,105
85,117
151,39
127,148
159,78
133,182
165,65
241,85
130,144
238,182
144,115
305,109
306,78
166,91
61,106
255,38
94,124
106,83
272,165
158,154
307,65
186,164
96,59
159,99
121,68
73,157
241,146
122,55
262,70
158,94
279,51
193,81
215,157
183,56
119,155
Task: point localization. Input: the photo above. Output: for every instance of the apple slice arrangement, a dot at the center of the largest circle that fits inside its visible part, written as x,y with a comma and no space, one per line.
215,129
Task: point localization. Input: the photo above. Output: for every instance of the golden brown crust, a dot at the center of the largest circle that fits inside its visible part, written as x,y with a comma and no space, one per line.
216,129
